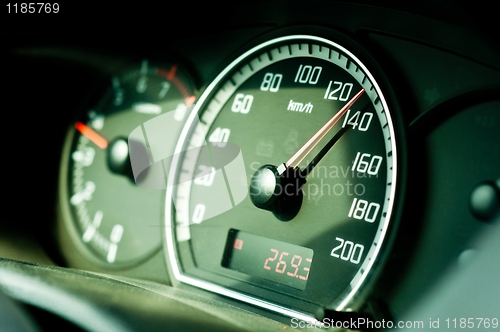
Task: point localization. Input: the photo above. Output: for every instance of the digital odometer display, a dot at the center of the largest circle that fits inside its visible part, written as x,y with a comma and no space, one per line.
262,257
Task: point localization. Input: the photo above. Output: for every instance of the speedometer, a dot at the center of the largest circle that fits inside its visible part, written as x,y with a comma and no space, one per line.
296,218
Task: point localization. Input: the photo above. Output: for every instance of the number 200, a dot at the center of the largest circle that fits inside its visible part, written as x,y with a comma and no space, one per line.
349,251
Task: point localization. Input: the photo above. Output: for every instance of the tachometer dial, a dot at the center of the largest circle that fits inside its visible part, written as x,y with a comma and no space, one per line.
109,216
319,169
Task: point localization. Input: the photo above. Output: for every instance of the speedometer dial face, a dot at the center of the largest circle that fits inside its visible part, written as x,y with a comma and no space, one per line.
319,165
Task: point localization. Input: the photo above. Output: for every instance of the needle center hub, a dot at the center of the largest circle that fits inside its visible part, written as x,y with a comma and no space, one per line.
280,194
118,158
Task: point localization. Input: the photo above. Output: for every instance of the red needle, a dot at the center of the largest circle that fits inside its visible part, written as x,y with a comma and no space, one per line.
307,148
91,135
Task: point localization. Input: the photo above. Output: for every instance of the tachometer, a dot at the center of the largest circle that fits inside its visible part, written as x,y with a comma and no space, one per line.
108,216
318,162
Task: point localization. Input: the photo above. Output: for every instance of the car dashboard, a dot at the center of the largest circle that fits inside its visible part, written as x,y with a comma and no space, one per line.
102,231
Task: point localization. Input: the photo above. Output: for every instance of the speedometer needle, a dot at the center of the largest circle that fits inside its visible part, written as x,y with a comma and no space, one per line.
279,189
298,157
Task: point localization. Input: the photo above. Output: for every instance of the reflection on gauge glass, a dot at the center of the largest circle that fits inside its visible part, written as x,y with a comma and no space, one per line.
318,195
116,220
